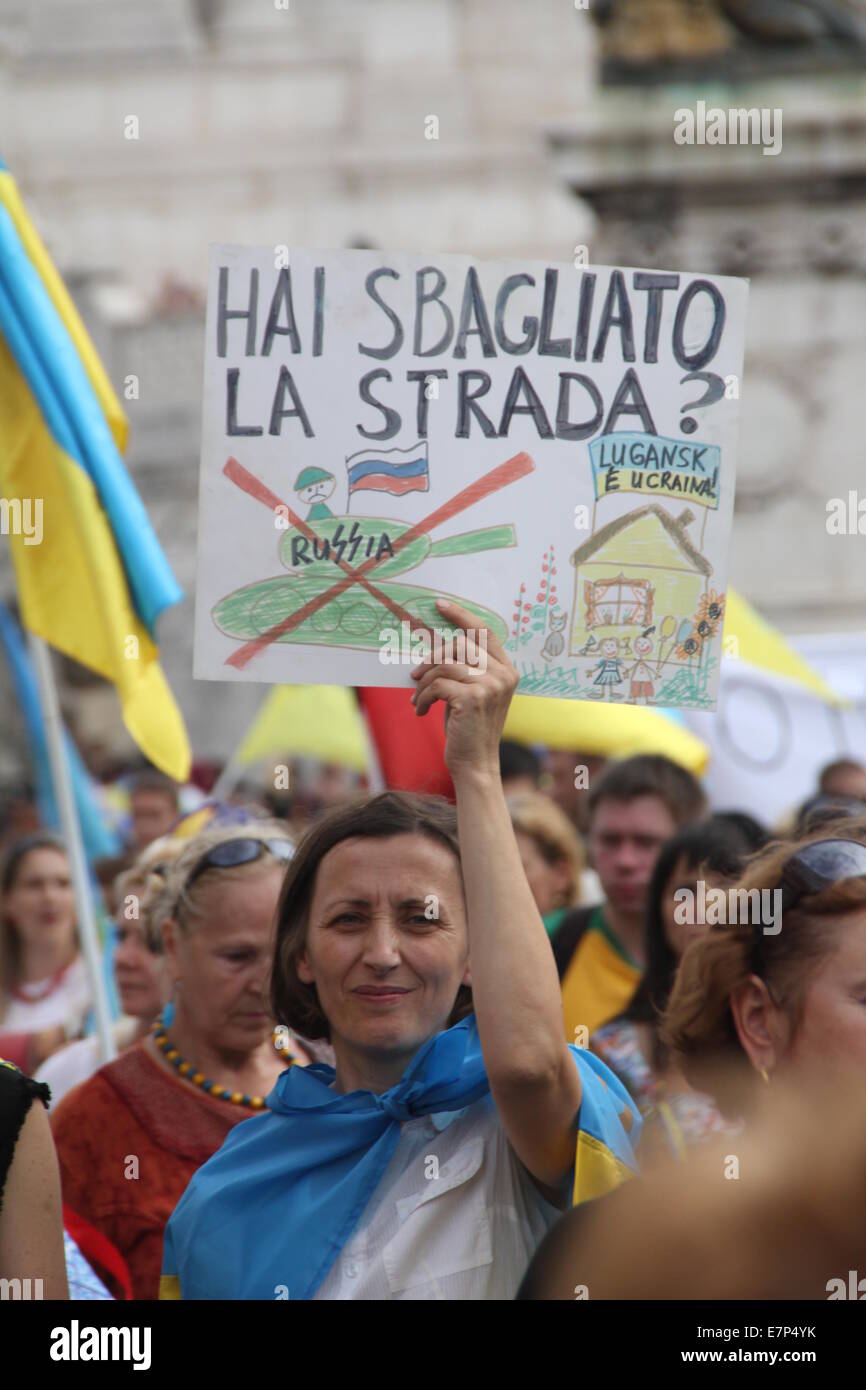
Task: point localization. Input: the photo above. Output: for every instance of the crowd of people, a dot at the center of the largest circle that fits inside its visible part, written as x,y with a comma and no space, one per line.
391,1046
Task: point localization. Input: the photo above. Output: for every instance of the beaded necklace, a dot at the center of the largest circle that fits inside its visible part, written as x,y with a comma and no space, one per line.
186,1069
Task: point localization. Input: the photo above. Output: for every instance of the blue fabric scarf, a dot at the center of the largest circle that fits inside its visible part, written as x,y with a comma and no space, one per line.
278,1201
268,1215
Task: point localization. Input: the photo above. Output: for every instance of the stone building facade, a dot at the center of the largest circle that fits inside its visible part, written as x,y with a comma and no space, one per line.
140,133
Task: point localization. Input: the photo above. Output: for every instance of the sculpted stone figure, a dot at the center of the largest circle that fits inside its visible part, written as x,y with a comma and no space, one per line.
638,31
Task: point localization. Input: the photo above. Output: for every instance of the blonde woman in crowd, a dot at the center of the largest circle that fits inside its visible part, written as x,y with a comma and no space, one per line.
551,854
131,1137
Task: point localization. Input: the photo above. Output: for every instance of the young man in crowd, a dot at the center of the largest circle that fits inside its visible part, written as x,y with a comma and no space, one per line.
634,807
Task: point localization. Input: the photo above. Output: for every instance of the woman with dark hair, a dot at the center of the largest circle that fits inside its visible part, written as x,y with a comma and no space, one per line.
44,994
430,1161
713,851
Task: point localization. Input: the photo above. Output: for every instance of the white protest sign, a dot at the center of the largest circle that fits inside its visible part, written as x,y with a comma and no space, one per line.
552,446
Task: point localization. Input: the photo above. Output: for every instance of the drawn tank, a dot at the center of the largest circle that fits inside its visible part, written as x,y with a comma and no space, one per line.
354,617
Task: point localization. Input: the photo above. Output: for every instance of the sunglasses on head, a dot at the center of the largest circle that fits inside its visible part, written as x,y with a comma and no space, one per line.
812,870
229,854
817,866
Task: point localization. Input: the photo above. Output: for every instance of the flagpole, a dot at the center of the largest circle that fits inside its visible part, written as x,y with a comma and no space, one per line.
227,780
375,775
71,830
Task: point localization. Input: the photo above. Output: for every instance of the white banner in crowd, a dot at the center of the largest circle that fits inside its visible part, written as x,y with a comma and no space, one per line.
770,738
552,446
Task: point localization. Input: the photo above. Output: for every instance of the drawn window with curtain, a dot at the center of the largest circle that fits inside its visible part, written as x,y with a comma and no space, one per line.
618,602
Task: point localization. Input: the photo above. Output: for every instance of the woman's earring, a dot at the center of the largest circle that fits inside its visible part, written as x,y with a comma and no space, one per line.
764,1077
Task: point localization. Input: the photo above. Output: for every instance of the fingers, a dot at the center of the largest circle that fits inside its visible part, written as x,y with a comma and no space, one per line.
440,687
495,678
454,672
494,686
461,617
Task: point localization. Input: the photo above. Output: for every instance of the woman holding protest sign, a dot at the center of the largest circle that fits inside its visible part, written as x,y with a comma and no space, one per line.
430,1161
130,1138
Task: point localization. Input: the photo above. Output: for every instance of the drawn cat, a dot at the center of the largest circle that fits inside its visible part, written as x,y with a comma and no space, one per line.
554,643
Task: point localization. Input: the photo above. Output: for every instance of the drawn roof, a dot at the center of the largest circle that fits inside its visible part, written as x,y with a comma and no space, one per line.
672,525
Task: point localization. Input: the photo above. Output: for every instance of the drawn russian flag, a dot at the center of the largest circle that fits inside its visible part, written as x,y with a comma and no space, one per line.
389,470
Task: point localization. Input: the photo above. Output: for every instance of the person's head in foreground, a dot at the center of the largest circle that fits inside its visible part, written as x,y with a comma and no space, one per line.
774,1213
782,989
550,849
431,1160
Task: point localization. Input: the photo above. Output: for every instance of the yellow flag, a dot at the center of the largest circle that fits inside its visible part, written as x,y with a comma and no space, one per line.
315,721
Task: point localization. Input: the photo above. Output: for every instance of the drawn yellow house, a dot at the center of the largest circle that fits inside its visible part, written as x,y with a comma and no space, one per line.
632,573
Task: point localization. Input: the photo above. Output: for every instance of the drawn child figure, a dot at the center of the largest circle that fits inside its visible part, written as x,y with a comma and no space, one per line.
642,689
315,486
609,669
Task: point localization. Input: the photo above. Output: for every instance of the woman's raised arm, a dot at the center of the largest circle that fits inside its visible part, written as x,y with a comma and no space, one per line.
515,986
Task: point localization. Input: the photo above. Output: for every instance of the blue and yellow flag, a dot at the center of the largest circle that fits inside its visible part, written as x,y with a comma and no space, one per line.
92,578
99,839
610,1126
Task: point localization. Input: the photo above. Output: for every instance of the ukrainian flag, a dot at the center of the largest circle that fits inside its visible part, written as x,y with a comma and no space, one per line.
97,580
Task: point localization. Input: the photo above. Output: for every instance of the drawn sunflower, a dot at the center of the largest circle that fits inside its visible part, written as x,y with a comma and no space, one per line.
711,610
687,649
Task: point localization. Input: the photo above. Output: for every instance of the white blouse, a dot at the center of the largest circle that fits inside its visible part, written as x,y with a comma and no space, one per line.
455,1216
67,1004
77,1061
